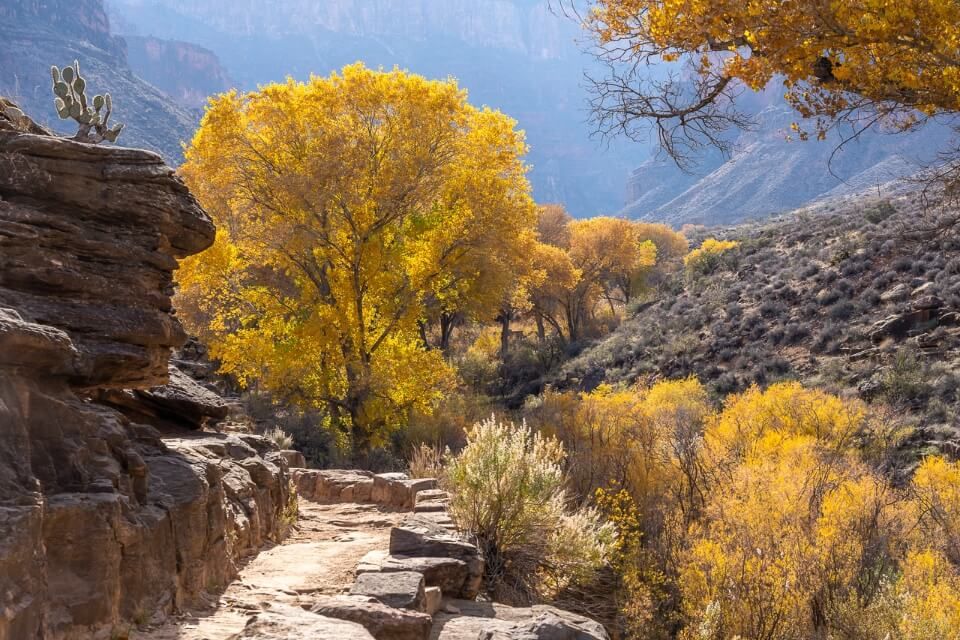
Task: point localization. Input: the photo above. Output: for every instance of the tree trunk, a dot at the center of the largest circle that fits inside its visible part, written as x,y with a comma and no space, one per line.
504,319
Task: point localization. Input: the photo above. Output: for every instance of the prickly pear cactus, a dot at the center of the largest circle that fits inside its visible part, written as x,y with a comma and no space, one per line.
69,89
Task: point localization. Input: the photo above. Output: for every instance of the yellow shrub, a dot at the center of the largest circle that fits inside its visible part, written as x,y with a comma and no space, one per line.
708,256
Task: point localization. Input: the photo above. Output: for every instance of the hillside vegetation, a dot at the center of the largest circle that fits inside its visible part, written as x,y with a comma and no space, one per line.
833,296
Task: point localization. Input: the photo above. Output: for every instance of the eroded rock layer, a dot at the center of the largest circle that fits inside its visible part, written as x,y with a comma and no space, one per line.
105,521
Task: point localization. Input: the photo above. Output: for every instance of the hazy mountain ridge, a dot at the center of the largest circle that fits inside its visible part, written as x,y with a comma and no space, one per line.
768,174
513,55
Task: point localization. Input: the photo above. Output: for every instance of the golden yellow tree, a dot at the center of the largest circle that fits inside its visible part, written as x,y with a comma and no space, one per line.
840,60
609,256
344,204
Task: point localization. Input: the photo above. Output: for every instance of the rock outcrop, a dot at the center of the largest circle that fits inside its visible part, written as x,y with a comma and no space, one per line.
106,521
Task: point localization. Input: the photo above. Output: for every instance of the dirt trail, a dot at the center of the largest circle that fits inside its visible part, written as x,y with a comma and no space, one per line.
319,557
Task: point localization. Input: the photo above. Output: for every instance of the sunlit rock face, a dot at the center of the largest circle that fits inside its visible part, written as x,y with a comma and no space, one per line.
104,520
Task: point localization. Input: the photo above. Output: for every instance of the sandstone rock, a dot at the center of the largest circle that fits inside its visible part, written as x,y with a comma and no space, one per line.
291,623
897,292
927,302
431,501
923,289
334,485
434,599
549,626
382,621
181,402
449,574
102,519
401,590
398,490
295,459
489,620
420,537
90,236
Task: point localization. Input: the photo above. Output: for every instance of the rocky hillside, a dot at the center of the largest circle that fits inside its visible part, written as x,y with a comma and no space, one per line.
111,512
721,190
833,295
35,35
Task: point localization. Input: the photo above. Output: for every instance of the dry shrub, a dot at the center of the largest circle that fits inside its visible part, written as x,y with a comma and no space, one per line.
508,493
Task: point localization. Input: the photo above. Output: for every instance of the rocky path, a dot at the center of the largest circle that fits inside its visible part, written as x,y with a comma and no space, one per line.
320,557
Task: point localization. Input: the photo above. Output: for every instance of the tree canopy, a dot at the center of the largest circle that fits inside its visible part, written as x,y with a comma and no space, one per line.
854,61
350,208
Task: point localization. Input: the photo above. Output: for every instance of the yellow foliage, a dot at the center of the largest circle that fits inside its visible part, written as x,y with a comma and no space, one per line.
671,245
348,207
707,257
898,56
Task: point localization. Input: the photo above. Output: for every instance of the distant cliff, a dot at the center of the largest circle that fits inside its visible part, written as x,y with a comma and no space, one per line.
35,35
186,72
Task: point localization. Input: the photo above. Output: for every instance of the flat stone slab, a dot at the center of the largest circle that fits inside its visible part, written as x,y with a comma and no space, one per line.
494,621
401,590
449,574
382,621
293,623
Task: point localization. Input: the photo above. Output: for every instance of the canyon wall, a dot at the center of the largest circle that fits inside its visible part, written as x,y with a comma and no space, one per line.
105,521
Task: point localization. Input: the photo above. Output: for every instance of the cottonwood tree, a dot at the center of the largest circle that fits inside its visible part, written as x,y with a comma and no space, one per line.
850,62
345,204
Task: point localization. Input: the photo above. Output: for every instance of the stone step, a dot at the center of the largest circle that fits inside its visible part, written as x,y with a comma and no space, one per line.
401,589
449,574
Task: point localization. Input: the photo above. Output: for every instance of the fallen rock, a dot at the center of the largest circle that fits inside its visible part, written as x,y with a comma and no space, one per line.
401,590
292,623
382,621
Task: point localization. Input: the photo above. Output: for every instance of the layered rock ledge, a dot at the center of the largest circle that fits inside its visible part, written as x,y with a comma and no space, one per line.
107,520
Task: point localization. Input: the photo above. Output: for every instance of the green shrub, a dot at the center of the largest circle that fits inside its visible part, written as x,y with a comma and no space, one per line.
508,493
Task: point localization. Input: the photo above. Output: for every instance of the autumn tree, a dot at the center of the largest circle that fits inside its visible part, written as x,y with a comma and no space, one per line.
859,62
609,255
350,208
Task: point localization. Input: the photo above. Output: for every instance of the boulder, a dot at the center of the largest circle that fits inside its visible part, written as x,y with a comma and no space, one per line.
927,302
292,623
401,590
899,291
381,621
